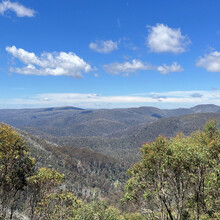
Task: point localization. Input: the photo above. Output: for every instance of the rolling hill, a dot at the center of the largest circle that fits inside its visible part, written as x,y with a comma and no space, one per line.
94,148
76,122
118,133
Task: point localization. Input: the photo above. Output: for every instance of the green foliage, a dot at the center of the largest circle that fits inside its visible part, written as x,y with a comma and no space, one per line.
15,164
45,178
134,216
58,206
97,211
43,182
15,167
64,205
178,177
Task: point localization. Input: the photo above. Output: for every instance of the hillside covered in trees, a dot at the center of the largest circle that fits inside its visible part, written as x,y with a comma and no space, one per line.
175,178
117,133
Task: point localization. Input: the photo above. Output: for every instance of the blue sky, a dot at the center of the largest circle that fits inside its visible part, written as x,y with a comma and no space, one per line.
109,53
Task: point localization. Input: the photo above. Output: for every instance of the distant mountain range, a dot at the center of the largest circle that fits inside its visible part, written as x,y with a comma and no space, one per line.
76,122
118,133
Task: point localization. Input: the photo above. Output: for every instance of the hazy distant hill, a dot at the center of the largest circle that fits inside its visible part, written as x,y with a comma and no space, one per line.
127,145
76,122
118,133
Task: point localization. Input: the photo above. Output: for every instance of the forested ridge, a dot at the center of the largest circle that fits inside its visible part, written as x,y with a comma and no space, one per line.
175,178
118,133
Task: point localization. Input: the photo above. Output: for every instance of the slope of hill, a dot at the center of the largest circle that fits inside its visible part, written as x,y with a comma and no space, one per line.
87,172
76,122
97,160
127,146
73,122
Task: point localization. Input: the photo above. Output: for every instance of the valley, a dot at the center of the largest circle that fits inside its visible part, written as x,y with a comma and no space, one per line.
94,149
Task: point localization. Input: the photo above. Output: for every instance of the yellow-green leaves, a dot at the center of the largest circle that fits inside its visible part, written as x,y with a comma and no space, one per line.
179,176
15,167
45,176
15,164
65,205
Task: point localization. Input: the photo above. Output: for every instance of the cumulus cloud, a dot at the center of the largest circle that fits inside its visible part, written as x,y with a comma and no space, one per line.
20,10
55,64
210,62
162,39
126,67
137,65
102,46
164,69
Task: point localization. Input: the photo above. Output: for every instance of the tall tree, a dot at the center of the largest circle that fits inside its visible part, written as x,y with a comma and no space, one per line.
175,176
43,182
15,167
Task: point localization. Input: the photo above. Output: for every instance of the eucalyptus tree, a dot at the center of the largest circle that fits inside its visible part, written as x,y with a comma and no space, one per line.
15,167
178,178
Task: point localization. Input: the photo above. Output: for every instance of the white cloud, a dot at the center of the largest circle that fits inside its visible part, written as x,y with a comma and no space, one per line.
126,67
158,97
20,10
102,46
170,99
162,39
96,75
164,69
137,65
210,62
55,64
